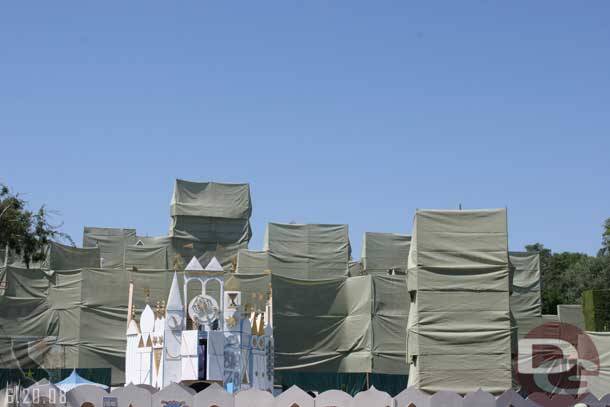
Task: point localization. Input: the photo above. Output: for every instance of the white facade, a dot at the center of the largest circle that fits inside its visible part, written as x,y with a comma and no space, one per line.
221,344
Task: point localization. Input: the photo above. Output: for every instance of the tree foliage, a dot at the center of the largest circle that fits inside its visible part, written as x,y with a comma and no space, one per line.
26,233
566,275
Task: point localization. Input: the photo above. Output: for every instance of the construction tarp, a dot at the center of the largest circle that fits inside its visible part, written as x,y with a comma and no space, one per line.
146,257
211,199
459,329
249,261
389,324
211,212
525,299
63,319
355,268
62,257
340,324
382,252
571,314
308,251
322,325
111,242
211,229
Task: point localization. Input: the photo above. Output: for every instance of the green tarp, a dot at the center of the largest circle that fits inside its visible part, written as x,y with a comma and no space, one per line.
146,257
340,324
62,257
525,299
211,212
308,251
459,329
211,199
111,242
249,261
382,252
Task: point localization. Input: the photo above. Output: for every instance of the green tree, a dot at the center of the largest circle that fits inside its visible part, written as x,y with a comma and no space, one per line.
24,232
566,275
605,250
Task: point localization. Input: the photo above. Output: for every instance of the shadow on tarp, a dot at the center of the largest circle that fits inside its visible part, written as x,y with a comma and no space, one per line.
27,377
351,383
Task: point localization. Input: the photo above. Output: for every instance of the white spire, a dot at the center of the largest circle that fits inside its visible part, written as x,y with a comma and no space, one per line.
194,264
174,301
147,319
133,329
214,265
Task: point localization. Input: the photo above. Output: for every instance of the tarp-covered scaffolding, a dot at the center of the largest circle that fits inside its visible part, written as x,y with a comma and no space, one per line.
77,318
208,219
382,252
459,329
525,299
307,251
341,324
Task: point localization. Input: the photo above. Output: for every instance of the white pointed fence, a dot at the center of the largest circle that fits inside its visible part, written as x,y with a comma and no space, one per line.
215,396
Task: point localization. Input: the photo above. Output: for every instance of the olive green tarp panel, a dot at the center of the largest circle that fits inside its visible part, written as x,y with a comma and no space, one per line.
355,268
103,320
322,325
149,257
28,325
525,300
211,229
308,251
389,324
382,252
211,212
459,328
187,248
591,346
571,314
62,257
111,243
211,199
249,261
16,260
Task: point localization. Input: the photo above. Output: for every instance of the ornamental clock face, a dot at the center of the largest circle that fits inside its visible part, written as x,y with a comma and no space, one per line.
173,321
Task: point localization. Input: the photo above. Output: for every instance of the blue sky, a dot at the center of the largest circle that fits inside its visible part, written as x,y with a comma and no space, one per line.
334,111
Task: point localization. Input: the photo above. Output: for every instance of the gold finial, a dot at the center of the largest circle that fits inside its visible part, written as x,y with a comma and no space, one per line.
261,325
231,322
178,262
254,330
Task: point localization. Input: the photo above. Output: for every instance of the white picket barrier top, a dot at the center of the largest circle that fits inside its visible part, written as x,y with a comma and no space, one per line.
177,395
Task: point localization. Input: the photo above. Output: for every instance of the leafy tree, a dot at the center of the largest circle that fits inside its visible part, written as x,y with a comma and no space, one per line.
605,250
24,232
566,275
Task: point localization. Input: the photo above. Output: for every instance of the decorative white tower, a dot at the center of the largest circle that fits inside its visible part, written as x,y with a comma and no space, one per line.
174,325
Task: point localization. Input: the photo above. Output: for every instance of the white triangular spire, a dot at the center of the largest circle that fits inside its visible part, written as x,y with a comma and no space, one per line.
147,319
214,265
133,329
194,264
174,301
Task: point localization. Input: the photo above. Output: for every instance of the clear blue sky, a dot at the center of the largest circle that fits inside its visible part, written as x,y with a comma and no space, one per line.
334,111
